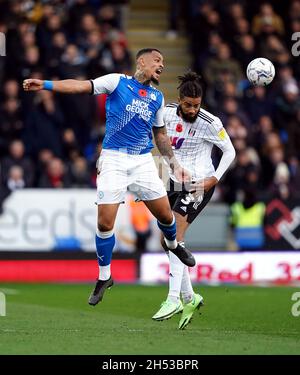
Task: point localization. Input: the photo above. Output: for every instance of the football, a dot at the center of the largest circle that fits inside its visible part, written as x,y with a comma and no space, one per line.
260,72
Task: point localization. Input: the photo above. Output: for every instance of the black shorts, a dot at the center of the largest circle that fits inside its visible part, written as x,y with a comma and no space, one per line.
181,202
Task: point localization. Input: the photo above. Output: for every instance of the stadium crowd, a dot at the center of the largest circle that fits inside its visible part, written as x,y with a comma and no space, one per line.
51,140
263,122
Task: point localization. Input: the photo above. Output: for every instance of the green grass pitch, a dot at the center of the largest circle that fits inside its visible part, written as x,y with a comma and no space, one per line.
56,319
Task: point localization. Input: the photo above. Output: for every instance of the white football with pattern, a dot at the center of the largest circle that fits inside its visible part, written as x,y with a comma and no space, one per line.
260,72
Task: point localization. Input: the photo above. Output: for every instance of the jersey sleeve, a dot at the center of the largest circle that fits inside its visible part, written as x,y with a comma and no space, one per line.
159,118
105,84
216,134
165,115
219,137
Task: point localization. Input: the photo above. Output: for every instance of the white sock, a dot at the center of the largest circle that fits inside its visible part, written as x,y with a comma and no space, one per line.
187,291
171,244
175,277
104,272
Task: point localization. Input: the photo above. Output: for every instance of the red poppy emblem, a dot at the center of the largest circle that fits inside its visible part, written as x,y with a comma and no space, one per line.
142,93
179,128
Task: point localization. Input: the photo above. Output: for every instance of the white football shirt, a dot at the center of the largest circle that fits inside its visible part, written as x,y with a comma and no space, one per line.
192,143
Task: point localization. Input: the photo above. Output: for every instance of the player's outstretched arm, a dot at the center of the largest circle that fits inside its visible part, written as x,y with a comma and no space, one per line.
67,86
164,146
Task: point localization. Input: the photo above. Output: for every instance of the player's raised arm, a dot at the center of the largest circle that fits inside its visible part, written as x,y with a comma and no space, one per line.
67,86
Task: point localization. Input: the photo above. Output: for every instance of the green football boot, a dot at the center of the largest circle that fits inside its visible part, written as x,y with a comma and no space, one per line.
167,310
189,309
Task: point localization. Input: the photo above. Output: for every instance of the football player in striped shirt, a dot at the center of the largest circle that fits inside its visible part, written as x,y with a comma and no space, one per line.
193,132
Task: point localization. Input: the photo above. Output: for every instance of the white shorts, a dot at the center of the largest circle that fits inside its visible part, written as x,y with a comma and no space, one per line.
119,172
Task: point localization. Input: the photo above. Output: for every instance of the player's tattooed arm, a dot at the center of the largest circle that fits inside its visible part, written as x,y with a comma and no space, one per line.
163,142
164,146
66,86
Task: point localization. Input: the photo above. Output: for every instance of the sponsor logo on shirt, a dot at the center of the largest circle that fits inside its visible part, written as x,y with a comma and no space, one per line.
141,108
176,142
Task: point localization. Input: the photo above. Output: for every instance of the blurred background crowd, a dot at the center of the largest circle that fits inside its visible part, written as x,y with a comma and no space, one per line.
51,140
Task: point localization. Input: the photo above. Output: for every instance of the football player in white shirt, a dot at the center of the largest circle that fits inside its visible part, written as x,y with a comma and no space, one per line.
193,132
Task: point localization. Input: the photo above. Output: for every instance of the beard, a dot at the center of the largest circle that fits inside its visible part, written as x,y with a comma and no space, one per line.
154,80
186,117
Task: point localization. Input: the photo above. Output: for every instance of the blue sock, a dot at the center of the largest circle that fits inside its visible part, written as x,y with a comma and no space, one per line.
169,231
104,247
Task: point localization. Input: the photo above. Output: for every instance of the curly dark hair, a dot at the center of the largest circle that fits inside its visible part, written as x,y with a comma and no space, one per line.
190,85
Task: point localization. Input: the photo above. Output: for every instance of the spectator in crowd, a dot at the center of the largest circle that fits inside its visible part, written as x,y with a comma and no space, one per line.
17,158
213,45
31,61
273,49
88,25
15,178
222,65
234,13
11,123
79,173
43,159
235,128
257,103
70,145
280,187
108,18
247,219
55,52
287,116
245,50
204,21
261,129
55,176
77,9
51,23
231,107
72,62
237,178
11,89
121,60
267,21
43,125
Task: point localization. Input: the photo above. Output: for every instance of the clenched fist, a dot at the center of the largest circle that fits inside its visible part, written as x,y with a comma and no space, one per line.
33,84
